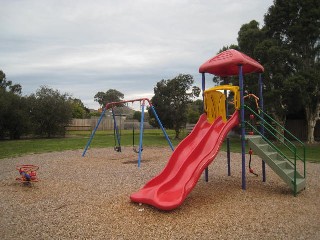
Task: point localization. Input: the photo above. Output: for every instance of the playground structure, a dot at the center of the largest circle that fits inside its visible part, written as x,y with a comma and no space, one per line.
192,156
117,147
28,173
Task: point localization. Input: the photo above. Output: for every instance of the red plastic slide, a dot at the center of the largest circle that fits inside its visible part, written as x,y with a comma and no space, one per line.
169,189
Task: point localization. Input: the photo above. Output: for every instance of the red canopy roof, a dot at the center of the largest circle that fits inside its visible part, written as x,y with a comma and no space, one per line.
226,64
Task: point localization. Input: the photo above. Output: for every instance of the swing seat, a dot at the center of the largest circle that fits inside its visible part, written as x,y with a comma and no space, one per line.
117,148
136,150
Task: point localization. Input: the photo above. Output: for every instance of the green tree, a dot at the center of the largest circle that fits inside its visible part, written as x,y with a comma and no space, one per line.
137,115
271,53
7,85
249,36
288,47
112,95
50,111
171,98
78,108
295,24
14,120
195,109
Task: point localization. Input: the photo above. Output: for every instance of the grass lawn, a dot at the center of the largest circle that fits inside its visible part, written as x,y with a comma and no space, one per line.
78,140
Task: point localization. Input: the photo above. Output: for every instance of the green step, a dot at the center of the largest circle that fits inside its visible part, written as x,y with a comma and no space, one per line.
281,166
288,172
281,163
301,184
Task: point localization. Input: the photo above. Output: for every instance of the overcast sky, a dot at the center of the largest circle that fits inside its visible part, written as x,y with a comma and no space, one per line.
83,47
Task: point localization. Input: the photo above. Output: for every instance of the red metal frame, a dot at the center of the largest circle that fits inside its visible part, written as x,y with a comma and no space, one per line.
109,105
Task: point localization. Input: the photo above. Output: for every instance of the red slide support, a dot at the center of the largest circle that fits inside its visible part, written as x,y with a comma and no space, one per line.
170,188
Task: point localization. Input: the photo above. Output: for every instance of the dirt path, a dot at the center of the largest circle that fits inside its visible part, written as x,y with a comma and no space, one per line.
88,198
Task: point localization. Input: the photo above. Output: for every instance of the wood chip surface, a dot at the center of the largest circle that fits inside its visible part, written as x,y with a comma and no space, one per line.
88,198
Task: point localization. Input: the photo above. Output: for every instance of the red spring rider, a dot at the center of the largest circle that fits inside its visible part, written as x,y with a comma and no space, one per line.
27,173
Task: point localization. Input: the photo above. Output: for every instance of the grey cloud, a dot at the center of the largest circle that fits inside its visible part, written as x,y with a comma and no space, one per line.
83,47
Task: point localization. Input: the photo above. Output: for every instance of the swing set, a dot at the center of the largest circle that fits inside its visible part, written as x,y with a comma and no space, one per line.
117,130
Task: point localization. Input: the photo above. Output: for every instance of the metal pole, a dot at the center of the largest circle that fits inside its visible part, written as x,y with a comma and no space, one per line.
115,126
162,128
206,171
243,147
93,132
228,157
203,87
206,174
228,139
262,124
203,83
141,133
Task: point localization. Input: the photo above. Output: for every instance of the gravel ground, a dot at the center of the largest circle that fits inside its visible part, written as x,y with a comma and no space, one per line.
88,198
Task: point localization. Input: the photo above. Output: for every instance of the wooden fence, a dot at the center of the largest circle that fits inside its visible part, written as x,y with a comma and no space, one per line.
299,129
296,127
105,124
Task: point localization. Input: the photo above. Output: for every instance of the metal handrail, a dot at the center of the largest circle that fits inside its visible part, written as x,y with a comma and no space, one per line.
275,130
270,143
292,149
283,128
303,159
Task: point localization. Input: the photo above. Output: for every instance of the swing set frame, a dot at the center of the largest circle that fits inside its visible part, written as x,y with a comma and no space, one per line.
143,102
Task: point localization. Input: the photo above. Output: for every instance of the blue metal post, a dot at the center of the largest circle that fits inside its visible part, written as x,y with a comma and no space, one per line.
206,174
203,84
228,157
227,105
93,132
243,147
115,127
141,134
206,171
162,128
262,124
228,139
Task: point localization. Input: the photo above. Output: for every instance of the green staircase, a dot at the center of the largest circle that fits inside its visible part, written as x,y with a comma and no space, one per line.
289,162
279,164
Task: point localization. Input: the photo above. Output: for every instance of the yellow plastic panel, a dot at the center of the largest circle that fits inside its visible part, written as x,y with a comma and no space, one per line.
215,105
215,101
234,89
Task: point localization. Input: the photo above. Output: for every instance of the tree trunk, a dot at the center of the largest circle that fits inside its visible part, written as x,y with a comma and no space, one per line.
310,132
280,131
281,119
177,134
312,118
